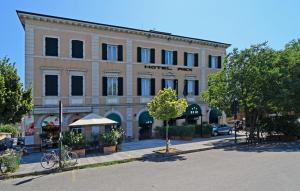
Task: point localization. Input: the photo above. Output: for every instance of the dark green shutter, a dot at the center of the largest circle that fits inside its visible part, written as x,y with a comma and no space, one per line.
185,88
174,57
139,86
196,87
163,84
152,86
185,59
104,51
120,86
219,61
209,61
196,59
152,55
139,54
120,53
175,85
104,86
163,54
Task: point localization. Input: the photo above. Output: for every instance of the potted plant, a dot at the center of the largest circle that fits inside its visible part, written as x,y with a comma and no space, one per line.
110,141
74,141
121,138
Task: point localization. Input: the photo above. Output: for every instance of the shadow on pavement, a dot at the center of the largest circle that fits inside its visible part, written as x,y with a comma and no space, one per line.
155,157
28,180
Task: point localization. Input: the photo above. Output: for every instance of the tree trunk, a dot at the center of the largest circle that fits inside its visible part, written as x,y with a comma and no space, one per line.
167,137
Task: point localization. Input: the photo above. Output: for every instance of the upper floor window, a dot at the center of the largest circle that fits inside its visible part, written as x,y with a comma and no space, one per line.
191,87
112,86
169,57
214,61
76,85
145,86
145,55
51,46
190,59
51,85
112,52
77,48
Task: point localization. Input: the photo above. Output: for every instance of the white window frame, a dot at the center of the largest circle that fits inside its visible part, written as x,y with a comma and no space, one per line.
83,48
145,55
112,79
76,73
214,62
51,72
168,57
145,91
190,86
58,45
190,59
110,55
169,82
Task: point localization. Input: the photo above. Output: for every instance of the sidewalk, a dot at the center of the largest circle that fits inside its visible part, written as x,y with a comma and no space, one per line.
132,150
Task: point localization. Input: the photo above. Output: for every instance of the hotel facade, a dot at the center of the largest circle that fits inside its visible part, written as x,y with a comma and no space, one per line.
112,71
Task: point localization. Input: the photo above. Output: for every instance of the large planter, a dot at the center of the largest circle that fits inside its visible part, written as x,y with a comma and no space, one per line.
288,138
79,152
109,149
206,135
187,138
119,147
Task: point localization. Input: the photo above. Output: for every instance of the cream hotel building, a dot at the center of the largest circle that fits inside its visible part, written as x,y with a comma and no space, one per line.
113,71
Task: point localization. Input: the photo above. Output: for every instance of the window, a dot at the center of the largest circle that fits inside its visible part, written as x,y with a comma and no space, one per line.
190,87
77,49
168,57
112,52
112,86
145,87
51,85
169,84
214,61
145,55
190,59
77,85
51,46
77,130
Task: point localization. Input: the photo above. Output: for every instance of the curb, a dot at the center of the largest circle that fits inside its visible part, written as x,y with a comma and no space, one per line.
142,158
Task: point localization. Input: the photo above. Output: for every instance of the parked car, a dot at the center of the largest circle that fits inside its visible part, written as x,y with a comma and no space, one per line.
221,129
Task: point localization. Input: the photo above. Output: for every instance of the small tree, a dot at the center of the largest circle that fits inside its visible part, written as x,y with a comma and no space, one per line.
166,106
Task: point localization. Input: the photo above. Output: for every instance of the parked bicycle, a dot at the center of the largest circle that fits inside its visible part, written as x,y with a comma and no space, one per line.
51,159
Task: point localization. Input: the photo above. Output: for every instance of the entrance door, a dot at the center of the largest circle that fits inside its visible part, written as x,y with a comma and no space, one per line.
145,131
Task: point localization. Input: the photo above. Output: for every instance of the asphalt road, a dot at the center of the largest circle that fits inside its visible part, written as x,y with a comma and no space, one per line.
266,167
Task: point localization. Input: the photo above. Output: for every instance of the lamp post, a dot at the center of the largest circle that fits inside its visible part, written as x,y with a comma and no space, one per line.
60,134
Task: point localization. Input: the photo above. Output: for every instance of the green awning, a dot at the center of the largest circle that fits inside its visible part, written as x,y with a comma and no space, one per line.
115,117
214,114
145,118
193,110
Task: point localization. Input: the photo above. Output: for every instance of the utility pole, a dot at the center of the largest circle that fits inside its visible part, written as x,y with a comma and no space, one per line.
60,134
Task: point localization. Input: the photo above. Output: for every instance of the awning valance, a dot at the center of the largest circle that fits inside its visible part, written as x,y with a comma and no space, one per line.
93,119
193,110
145,118
214,113
114,117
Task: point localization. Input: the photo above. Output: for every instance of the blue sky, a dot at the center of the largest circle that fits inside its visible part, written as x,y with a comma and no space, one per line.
238,22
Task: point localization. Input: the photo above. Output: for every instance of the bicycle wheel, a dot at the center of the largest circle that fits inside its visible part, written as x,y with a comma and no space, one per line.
70,158
3,167
48,161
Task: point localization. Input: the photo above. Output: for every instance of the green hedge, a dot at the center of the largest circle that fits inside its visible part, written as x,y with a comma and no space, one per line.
11,160
206,129
178,131
9,128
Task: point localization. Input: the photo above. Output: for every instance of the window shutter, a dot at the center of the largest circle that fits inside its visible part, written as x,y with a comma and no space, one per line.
152,86
219,61
185,88
163,54
185,59
104,51
196,87
175,83
139,54
120,53
196,59
174,57
163,84
120,86
104,86
209,61
51,85
139,86
152,55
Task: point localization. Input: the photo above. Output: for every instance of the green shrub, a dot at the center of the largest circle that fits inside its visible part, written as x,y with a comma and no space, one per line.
206,129
186,130
160,131
111,138
9,128
11,160
198,129
73,140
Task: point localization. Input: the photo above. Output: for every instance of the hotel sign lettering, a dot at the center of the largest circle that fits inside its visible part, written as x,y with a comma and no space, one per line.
168,68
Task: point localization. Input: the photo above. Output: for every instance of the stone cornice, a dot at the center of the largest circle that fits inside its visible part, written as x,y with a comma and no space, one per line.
23,16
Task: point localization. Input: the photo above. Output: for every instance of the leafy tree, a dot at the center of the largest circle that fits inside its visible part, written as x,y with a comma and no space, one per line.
166,106
14,100
251,76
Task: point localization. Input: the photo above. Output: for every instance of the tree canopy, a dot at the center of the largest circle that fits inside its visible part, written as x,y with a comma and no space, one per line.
14,100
